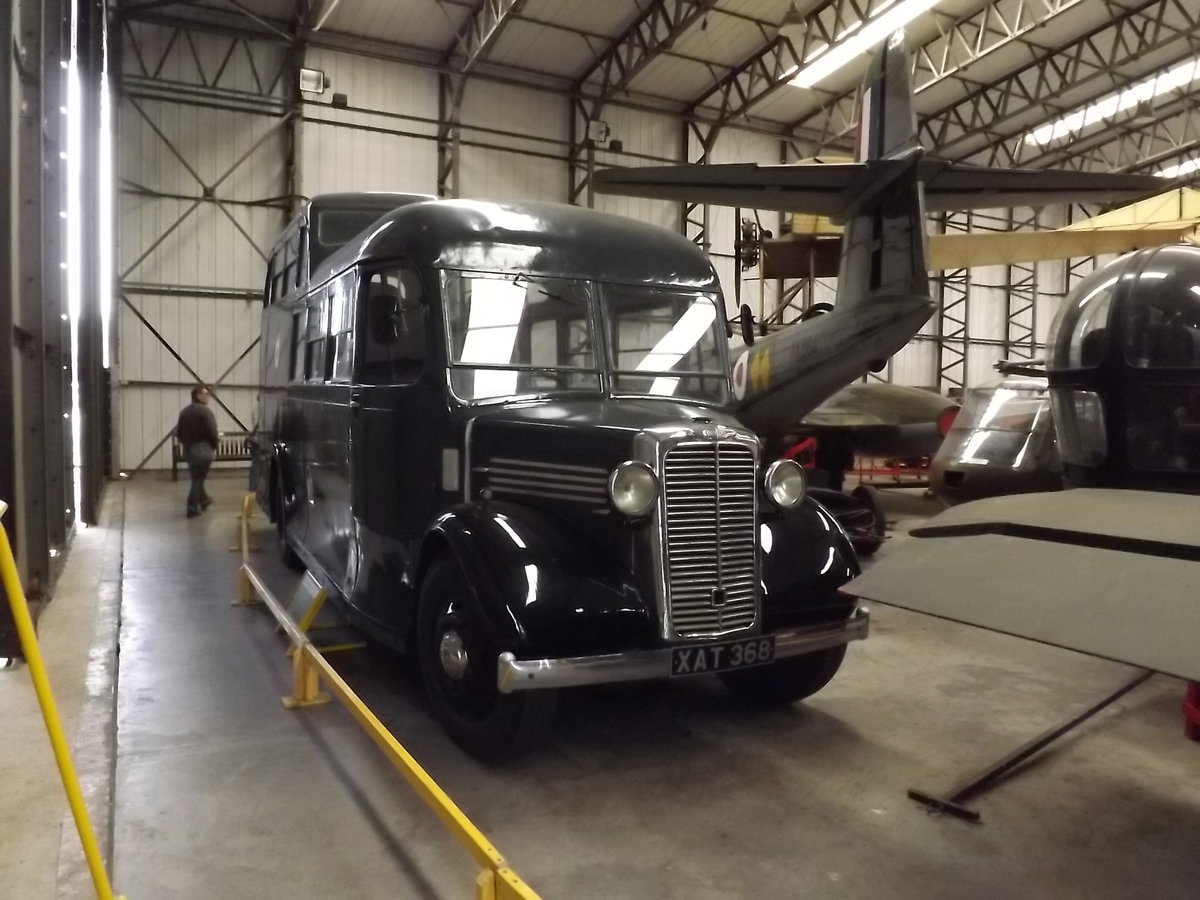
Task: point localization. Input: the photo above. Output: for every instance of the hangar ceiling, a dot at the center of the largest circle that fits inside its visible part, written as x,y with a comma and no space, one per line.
989,72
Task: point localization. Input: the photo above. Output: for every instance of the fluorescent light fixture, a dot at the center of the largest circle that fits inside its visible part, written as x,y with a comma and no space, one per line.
858,39
1141,94
1184,168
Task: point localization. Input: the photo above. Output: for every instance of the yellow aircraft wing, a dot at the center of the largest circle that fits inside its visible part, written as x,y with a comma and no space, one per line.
1174,215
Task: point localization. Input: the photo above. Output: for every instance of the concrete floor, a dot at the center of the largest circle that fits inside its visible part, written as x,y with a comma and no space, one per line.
659,791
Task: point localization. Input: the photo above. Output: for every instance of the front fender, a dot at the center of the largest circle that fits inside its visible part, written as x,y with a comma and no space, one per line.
806,557
540,588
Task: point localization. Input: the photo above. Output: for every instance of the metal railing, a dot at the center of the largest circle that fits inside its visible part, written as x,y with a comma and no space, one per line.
497,881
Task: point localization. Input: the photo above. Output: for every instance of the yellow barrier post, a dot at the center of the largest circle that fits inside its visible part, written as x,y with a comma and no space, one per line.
243,543
246,596
306,684
497,881
58,741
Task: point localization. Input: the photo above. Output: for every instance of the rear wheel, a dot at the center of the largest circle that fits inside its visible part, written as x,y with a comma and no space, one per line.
286,553
870,537
787,680
458,668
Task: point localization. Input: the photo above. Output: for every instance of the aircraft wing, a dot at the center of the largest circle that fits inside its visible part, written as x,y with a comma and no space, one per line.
1111,573
819,188
802,255
956,186
829,189
962,251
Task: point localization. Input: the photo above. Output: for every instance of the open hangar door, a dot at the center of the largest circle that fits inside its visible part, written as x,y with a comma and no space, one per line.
203,139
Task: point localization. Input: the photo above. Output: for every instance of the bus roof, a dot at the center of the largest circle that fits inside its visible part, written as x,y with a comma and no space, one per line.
537,238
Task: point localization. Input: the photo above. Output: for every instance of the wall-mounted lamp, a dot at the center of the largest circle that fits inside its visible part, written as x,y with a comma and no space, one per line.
313,81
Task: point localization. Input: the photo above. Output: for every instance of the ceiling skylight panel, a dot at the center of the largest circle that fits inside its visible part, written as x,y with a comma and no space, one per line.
1144,92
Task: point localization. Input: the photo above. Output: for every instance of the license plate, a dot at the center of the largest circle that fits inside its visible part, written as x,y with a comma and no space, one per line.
722,657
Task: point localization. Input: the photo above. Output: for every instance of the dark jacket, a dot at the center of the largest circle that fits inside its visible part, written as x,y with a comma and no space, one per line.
197,425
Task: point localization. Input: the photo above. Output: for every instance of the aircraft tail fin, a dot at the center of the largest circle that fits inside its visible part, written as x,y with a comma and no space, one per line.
884,244
883,279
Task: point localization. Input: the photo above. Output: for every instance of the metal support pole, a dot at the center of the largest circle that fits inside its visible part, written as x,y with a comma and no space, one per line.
93,377
952,800
9,462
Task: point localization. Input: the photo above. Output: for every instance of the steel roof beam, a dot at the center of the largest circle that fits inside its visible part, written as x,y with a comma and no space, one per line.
1168,140
1122,146
479,32
969,127
657,29
961,43
653,32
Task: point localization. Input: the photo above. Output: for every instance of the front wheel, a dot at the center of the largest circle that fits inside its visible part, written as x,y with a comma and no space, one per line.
458,668
787,680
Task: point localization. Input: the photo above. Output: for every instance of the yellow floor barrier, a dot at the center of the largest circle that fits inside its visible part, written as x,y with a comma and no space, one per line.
58,741
497,881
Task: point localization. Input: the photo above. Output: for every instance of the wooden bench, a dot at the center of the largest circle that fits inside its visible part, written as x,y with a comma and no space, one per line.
232,446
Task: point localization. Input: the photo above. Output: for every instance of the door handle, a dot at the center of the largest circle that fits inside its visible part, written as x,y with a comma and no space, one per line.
355,402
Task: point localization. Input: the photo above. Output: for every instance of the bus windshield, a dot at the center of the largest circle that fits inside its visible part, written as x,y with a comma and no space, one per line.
665,343
519,335
522,335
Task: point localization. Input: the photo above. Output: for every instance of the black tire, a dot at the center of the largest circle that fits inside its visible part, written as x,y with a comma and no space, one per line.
491,726
870,538
787,680
286,553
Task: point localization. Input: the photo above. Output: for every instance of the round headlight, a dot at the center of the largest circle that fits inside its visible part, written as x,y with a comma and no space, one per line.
785,483
633,488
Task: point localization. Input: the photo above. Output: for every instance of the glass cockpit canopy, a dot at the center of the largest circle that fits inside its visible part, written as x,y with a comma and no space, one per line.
1124,367
1142,310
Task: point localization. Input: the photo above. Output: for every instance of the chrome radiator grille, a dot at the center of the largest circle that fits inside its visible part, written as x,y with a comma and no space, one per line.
710,551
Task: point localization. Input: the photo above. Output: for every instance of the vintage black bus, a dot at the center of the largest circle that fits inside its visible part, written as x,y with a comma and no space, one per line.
500,435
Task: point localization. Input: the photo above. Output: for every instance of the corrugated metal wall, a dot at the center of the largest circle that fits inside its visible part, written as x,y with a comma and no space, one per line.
513,144
191,246
386,137
178,266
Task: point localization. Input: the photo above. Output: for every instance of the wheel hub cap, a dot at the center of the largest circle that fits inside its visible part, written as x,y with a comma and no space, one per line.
453,654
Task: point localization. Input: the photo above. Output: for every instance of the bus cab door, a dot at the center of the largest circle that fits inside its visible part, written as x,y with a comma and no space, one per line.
331,527
396,435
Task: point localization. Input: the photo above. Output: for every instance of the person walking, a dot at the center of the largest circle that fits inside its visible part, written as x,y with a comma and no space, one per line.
196,432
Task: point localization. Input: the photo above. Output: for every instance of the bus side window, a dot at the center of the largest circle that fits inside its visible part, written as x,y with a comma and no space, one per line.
268,297
302,272
341,328
315,363
298,342
289,266
277,288
394,343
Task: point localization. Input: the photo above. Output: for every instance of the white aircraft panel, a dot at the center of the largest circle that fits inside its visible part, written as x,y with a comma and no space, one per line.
1105,572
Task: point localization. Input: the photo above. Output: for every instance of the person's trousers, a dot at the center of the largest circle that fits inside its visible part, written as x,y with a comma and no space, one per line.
199,458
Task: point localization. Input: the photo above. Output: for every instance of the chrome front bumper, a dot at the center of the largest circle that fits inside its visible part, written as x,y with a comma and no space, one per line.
640,665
